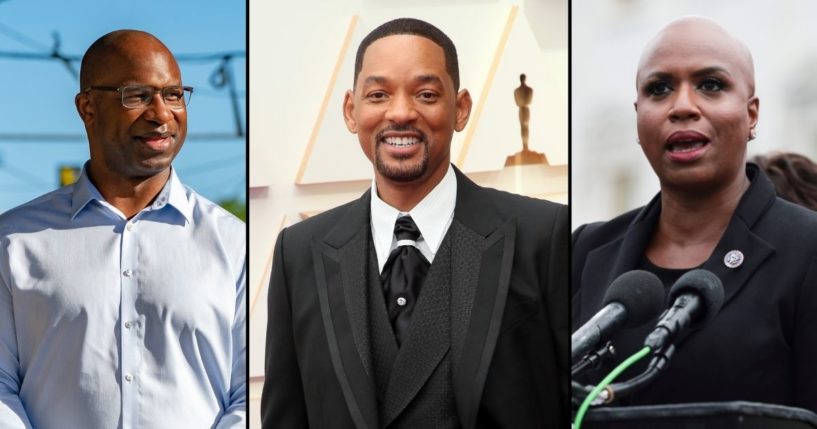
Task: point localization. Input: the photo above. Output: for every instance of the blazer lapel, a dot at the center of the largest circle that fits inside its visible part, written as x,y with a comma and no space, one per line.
755,250
492,241
739,237
340,271
606,263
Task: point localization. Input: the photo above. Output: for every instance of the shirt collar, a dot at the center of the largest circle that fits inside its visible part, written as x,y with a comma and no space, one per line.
431,215
83,192
173,193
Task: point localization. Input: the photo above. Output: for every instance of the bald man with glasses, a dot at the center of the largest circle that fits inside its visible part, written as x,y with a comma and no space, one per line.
122,296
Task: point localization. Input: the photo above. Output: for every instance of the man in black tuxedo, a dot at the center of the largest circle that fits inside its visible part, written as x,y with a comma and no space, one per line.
429,302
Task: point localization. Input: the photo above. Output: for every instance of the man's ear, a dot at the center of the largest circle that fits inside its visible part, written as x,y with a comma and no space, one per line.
349,111
85,107
464,104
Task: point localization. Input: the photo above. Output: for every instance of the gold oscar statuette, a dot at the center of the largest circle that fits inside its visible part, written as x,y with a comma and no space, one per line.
523,96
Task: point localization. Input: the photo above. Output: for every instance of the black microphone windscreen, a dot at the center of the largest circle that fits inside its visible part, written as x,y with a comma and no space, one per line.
640,292
705,284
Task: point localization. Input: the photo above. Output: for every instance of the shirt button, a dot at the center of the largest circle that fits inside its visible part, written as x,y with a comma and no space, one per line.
128,325
129,227
128,273
128,377
401,301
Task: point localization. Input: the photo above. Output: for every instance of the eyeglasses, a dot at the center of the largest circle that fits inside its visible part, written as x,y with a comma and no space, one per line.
136,96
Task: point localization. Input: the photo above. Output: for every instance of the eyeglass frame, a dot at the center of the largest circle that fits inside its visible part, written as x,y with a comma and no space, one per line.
121,91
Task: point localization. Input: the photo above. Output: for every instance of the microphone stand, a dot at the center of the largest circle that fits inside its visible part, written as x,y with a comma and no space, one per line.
659,362
593,360
590,361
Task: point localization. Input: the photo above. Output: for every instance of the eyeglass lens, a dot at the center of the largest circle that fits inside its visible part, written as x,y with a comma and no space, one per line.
139,95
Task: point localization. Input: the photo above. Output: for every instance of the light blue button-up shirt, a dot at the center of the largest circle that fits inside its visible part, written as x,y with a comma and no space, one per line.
107,322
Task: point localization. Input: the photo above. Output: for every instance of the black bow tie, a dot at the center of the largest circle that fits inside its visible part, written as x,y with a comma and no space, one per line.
403,276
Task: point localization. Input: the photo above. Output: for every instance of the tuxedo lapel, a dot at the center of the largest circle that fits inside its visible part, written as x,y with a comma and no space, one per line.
340,272
486,243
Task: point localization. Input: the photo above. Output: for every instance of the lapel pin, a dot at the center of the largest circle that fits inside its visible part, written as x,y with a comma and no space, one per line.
733,259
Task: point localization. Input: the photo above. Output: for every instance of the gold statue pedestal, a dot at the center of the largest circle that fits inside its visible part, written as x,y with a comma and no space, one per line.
526,157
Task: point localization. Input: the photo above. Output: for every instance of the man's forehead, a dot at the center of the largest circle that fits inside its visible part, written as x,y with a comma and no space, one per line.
375,79
141,49
387,44
394,49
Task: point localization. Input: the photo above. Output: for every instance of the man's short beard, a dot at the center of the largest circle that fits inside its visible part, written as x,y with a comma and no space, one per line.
403,172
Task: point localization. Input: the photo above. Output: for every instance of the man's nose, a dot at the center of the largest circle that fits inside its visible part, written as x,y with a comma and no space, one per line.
401,109
157,110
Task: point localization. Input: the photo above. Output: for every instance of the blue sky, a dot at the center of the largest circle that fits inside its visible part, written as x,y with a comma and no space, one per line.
39,127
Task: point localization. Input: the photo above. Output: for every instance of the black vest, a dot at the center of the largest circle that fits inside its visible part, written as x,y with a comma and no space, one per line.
402,402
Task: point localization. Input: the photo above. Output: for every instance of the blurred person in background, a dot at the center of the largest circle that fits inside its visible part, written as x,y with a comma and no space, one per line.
794,176
122,296
696,111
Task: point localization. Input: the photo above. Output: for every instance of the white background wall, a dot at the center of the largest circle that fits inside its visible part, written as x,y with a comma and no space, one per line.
293,50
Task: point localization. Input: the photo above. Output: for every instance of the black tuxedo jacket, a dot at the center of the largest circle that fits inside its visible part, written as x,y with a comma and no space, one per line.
762,345
511,361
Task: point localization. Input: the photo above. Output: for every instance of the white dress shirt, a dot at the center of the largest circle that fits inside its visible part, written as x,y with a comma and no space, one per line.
107,322
433,216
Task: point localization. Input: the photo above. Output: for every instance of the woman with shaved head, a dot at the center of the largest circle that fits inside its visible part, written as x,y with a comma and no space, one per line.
696,112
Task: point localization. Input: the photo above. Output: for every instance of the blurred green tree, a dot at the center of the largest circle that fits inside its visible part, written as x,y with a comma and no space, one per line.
236,207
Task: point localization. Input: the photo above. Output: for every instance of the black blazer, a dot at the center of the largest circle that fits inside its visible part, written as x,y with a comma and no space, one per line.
512,370
762,346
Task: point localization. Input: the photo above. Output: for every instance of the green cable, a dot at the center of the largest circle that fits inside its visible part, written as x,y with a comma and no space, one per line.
607,380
